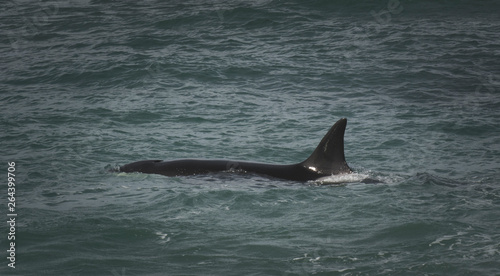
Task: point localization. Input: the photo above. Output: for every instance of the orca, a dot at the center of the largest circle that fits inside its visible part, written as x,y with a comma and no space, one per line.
326,160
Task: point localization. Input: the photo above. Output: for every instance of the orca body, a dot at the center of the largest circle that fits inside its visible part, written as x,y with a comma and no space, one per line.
326,160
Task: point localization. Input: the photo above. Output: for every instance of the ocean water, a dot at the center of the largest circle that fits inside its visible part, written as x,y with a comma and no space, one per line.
86,86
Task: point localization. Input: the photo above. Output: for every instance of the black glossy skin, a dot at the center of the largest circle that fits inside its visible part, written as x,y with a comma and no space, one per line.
327,159
197,166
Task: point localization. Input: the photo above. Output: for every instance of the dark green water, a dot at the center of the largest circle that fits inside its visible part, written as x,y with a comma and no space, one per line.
86,86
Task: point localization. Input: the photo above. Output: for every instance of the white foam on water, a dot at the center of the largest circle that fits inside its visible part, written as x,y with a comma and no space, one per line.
341,178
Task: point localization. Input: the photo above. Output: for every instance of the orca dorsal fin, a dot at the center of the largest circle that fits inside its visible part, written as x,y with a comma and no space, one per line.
328,157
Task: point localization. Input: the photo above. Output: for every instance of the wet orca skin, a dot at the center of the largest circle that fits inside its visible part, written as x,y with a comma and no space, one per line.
326,160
